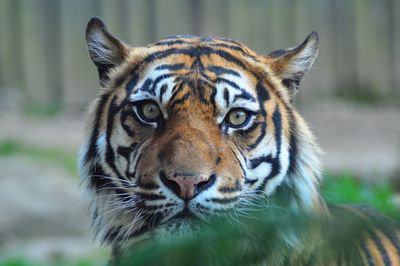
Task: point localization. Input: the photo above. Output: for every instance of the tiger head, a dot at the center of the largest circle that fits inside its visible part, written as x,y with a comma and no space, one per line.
192,127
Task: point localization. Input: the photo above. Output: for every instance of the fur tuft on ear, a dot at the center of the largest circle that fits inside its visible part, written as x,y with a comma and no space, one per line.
291,64
105,50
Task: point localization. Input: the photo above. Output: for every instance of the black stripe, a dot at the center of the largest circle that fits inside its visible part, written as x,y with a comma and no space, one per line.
244,95
229,46
98,178
262,93
110,155
224,200
292,142
163,89
132,83
230,83
125,151
234,47
222,70
171,67
91,153
275,168
180,101
236,188
277,119
226,97
212,97
146,85
380,247
254,163
177,88
158,80
391,235
262,96
147,196
370,259
146,186
275,162
260,137
200,91
197,64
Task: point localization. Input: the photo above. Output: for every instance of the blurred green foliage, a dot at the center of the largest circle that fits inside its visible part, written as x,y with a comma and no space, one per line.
345,189
10,147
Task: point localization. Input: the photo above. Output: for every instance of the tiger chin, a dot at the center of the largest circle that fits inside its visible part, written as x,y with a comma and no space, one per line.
189,128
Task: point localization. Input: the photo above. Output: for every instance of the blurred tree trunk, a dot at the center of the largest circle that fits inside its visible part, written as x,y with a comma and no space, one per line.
52,45
196,13
11,56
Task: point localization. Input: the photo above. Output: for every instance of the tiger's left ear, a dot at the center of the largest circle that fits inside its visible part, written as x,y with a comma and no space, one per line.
291,64
105,50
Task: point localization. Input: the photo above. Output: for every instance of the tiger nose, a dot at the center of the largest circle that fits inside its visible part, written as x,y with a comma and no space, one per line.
187,186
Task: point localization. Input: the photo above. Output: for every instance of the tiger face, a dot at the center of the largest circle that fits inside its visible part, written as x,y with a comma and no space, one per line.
191,127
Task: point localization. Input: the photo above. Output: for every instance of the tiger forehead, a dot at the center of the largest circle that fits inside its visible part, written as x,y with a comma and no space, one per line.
197,72
188,50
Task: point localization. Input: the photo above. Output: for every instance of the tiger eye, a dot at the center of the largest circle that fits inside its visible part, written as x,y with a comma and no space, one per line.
237,117
150,110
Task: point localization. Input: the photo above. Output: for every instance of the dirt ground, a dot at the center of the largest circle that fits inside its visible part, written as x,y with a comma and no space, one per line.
44,215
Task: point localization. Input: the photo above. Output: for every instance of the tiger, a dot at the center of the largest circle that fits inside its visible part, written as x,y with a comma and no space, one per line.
191,127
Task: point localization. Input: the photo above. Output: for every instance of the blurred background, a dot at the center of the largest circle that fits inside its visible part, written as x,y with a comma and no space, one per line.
350,98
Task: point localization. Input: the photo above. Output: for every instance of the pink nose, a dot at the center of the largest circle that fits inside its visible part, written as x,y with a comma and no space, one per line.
187,186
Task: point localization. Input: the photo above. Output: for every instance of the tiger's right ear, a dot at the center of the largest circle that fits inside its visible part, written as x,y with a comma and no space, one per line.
105,50
290,65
